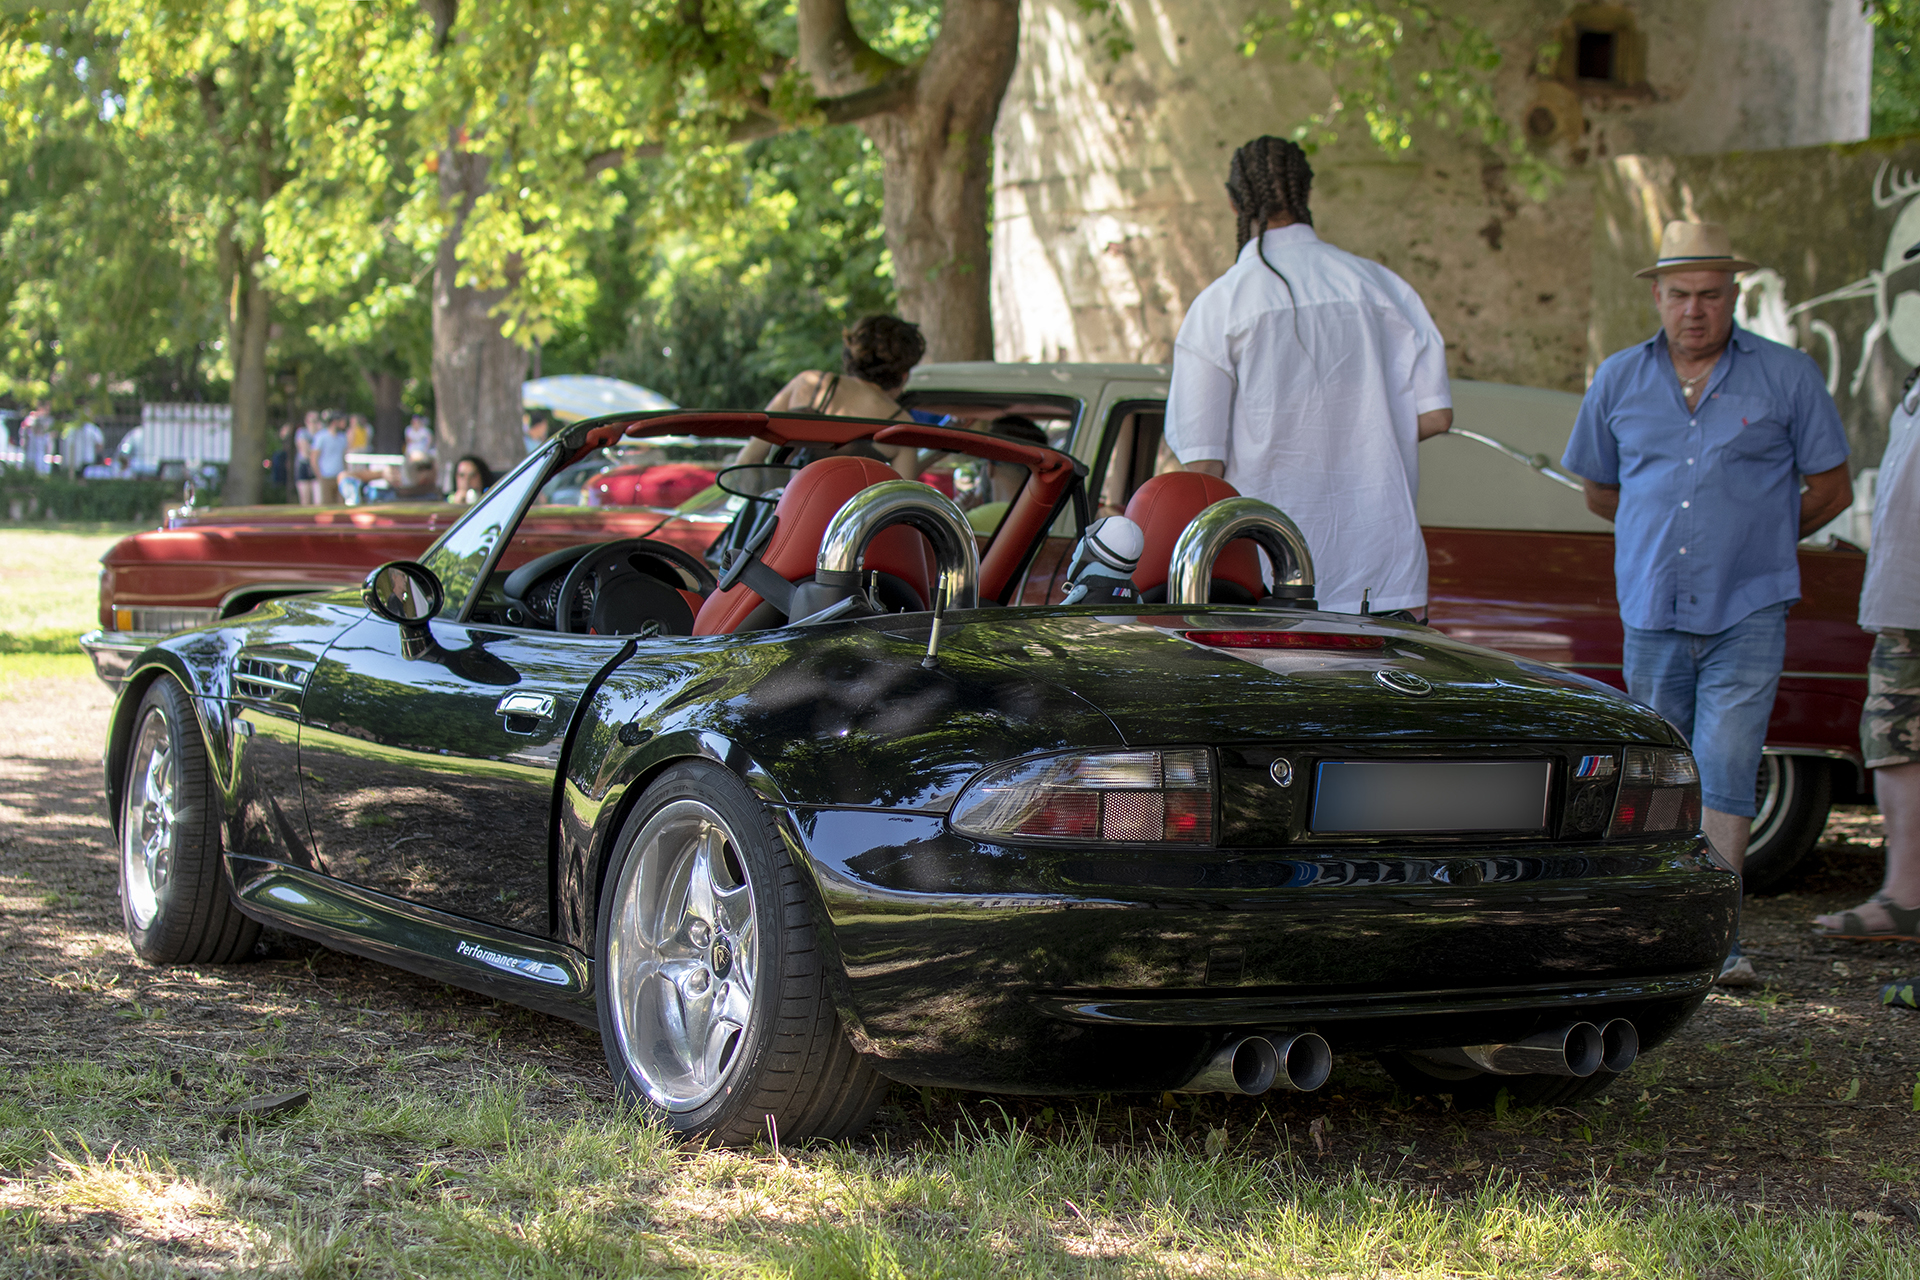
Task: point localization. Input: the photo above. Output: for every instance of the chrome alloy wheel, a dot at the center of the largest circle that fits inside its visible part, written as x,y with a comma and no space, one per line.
146,834
682,955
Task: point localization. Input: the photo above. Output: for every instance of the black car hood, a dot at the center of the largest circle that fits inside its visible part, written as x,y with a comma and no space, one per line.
1159,687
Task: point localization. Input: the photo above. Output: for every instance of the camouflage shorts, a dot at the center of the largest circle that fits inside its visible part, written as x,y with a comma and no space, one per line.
1890,720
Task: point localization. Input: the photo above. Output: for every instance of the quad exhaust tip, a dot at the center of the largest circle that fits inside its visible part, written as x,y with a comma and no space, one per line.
1619,1045
1577,1049
1251,1065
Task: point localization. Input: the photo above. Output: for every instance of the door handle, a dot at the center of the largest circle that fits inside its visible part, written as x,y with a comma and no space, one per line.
525,711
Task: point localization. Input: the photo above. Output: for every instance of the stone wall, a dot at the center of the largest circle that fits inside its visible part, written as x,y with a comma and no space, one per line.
1110,214
1827,225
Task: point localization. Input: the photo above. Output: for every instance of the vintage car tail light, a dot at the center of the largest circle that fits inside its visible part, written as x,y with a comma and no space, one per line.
1659,792
161,621
1134,796
1284,640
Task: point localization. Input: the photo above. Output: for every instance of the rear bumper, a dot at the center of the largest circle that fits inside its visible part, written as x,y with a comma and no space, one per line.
1041,971
113,652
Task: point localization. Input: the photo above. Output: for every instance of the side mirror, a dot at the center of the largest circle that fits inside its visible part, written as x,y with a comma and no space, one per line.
405,592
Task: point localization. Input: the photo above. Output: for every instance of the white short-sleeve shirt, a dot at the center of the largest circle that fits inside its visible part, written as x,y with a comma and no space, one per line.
1309,390
1890,596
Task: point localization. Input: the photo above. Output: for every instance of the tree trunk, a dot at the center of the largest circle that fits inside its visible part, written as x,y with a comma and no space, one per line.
249,317
477,371
389,415
936,150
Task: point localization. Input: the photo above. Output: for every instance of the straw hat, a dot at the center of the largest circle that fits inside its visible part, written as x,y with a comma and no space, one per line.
1695,246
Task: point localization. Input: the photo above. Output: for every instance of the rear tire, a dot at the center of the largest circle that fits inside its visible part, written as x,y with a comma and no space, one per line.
1792,794
715,1012
1476,1090
175,894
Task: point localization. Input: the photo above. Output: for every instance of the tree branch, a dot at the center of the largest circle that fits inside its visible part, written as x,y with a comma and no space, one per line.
889,95
834,54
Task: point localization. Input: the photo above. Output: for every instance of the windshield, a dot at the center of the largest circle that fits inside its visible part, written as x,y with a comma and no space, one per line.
658,474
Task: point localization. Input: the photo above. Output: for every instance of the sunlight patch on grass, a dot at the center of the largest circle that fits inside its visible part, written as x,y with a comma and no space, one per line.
385,1176
19,670
50,578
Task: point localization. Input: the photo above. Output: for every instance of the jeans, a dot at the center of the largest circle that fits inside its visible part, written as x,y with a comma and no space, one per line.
1718,691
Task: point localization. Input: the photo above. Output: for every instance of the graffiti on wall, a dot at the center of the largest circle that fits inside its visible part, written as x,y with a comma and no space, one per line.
1765,309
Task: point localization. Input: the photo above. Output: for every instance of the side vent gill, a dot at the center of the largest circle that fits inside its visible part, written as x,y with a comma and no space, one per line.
270,679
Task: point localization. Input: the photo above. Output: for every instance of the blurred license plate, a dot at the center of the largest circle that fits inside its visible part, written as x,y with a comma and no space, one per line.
1431,795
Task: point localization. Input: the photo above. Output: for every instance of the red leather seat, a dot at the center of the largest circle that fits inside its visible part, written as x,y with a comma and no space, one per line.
811,499
1163,507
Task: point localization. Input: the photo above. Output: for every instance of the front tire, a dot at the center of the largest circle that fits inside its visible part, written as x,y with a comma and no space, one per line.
715,1013
175,895
1792,795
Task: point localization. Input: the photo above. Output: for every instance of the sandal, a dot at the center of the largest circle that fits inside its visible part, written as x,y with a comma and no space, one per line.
1900,995
1906,924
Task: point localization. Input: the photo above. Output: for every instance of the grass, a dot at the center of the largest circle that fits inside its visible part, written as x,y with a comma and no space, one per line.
380,1176
18,670
50,585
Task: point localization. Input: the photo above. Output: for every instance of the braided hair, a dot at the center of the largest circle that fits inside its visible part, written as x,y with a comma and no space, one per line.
1268,177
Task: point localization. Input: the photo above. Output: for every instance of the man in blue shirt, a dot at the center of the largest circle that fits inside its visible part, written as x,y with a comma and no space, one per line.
1695,443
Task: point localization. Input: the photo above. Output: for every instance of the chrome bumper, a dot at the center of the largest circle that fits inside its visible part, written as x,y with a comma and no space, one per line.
114,651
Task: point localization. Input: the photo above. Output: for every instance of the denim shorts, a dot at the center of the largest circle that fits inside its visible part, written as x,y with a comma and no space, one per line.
1718,691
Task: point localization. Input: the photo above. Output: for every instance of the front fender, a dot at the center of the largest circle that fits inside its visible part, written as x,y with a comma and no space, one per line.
210,712
605,777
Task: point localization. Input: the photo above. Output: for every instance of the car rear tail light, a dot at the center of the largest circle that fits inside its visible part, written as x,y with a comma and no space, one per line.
1659,792
1283,640
1139,797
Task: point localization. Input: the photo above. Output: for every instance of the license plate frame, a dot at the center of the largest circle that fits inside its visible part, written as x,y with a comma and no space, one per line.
1431,797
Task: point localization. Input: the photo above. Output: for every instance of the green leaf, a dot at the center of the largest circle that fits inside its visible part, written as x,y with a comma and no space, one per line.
1397,63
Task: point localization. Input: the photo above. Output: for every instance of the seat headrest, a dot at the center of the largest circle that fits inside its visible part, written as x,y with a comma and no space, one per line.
1164,506
811,500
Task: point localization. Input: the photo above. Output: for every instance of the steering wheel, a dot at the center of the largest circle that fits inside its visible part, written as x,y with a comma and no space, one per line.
632,583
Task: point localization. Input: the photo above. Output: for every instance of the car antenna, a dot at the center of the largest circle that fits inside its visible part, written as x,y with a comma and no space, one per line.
932,660
1364,593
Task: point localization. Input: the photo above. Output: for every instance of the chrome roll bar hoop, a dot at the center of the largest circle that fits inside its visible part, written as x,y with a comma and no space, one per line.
918,506
1190,572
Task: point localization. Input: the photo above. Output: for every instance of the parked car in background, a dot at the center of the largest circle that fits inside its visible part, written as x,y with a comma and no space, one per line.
1516,561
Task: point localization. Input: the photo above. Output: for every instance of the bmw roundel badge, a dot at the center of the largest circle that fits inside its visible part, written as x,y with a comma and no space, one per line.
1402,682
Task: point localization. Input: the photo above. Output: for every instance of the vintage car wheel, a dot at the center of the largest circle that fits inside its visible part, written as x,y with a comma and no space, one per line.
175,895
1478,1089
1792,795
714,1007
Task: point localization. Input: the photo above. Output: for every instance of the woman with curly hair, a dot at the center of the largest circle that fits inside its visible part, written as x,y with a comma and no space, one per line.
875,357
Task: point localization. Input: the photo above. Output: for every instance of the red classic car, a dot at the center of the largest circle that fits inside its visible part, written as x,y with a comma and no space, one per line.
1516,561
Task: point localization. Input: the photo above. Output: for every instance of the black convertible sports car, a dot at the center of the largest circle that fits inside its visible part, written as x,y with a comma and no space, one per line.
842,815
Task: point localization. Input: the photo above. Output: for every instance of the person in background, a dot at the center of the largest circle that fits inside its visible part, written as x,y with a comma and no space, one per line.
1890,718
84,445
1694,444
37,440
359,435
876,355
1004,479
279,464
330,457
536,426
306,481
419,437
1306,377
471,478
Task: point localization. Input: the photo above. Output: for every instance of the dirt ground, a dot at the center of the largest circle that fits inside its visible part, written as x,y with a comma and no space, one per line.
1801,1094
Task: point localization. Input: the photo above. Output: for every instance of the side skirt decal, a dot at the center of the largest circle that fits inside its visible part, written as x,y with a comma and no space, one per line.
514,967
